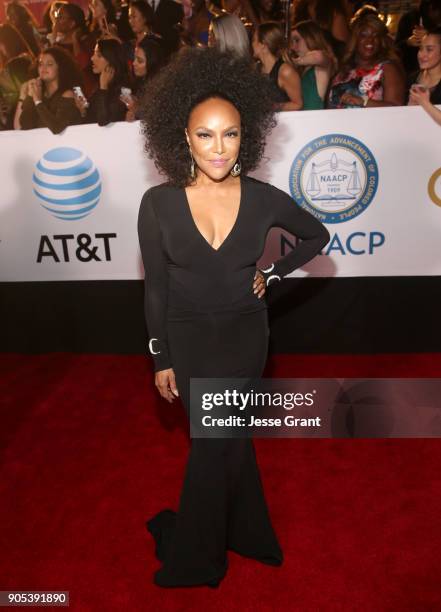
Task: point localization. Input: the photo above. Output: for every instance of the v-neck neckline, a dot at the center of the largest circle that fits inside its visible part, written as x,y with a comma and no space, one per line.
234,226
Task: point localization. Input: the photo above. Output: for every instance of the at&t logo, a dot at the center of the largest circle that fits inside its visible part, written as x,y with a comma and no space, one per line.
67,183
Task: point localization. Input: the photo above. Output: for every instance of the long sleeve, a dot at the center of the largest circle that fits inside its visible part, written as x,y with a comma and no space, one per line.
28,117
156,282
105,107
66,113
55,114
289,216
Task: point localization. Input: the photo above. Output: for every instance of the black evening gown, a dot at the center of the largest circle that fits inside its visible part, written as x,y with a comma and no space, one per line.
204,320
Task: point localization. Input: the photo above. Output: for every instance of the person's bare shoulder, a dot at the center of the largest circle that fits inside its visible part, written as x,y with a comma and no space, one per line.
286,71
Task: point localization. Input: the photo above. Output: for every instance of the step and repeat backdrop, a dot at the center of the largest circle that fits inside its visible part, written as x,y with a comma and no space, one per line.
69,202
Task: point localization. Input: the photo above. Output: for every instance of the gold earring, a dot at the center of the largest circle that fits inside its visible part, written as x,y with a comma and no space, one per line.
192,167
236,169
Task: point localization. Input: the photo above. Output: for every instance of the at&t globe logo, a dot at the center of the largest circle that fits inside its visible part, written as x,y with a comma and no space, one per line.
334,177
67,183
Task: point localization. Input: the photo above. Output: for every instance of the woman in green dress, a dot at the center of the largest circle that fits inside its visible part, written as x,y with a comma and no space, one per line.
315,61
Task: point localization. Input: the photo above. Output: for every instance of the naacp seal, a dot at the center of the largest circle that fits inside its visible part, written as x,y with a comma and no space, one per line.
334,177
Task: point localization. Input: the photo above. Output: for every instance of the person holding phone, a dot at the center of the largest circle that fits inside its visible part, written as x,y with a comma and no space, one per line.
420,95
428,77
149,59
426,88
105,105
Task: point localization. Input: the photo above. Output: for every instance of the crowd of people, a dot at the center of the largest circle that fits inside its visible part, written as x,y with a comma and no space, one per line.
76,68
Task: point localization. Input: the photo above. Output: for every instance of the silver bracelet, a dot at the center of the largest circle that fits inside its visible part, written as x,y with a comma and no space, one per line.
272,276
152,352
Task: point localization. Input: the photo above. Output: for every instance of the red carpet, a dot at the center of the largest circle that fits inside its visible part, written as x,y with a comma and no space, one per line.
89,453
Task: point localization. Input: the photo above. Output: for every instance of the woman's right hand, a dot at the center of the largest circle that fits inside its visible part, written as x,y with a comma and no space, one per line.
419,95
351,99
106,77
418,34
259,285
166,384
35,89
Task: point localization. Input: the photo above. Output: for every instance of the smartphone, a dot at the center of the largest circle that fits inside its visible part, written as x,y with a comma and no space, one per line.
79,93
126,92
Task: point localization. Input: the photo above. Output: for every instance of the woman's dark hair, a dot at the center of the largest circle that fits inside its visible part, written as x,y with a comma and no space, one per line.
155,55
434,32
275,13
145,9
194,75
325,11
69,74
113,51
75,13
13,41
435,5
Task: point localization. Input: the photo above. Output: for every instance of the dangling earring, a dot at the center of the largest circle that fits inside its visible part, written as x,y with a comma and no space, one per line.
236,169
192,168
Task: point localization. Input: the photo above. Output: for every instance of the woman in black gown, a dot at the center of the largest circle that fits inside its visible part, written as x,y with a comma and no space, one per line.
205,119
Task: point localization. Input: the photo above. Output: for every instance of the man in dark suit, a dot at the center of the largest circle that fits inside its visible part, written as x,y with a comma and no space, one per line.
168,14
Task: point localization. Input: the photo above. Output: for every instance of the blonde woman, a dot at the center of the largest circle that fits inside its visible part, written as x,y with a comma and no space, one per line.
270,48
228,33
315,61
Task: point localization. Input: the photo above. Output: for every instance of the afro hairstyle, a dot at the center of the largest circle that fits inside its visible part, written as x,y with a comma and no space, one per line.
194,75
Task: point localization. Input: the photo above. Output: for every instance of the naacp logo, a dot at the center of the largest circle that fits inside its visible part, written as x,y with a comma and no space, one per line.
67,183
334,177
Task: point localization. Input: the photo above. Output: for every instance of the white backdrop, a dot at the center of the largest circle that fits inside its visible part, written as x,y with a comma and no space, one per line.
372,175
